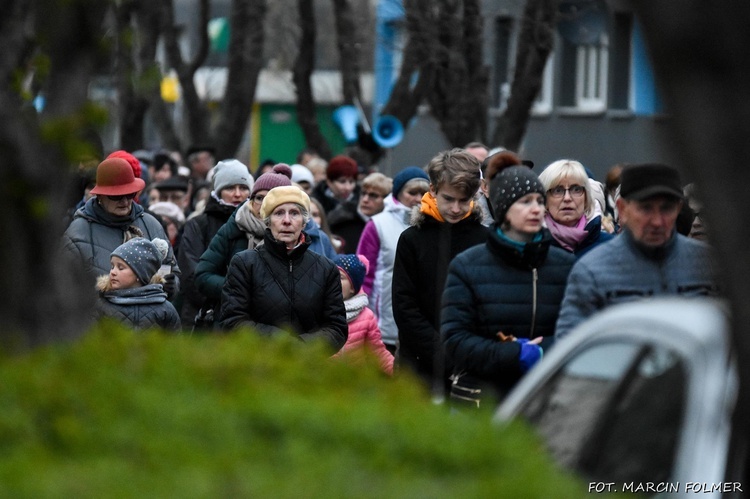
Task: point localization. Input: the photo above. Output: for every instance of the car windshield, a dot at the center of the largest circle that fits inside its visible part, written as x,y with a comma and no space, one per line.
613,412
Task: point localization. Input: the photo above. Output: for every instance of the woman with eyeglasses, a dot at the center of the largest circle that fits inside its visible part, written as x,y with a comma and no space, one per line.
111,218
571,215
282,287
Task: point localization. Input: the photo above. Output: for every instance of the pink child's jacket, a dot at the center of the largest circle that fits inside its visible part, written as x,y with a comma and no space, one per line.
364,332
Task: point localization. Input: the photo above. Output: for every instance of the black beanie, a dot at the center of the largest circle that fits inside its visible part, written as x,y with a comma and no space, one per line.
511,184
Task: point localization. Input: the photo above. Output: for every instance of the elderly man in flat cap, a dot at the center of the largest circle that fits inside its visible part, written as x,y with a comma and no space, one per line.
647,259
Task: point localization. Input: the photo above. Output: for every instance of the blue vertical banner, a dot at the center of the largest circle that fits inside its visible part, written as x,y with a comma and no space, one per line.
388,48
646,98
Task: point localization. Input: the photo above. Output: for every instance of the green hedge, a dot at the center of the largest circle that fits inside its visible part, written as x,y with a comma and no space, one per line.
119,414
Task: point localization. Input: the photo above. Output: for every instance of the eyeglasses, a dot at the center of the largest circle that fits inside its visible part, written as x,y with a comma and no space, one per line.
123,196
258,199
575,191
372,195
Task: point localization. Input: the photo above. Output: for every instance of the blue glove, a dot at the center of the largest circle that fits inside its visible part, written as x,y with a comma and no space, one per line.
529,355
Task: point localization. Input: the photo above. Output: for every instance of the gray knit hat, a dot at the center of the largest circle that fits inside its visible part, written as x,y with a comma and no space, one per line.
511,184
231,172
143,256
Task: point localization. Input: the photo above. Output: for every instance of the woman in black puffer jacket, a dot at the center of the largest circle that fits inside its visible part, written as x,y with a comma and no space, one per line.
281,286
502,299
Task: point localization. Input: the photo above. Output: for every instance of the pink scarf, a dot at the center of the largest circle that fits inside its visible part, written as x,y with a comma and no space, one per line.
568,237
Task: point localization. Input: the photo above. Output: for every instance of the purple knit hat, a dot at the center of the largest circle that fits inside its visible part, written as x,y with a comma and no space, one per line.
281,175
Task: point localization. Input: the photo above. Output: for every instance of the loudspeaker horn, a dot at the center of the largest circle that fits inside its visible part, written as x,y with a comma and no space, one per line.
347,118
388,131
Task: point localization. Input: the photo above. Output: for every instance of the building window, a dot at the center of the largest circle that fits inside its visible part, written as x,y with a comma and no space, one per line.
584,55
543,103
621,62
584,75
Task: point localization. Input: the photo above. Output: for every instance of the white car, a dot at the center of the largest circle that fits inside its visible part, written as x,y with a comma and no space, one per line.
639,398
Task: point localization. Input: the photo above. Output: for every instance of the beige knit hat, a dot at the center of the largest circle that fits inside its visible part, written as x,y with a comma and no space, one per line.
284,194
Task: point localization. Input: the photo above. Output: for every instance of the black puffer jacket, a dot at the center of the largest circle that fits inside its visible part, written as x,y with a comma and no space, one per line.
196,237
495,288
270,290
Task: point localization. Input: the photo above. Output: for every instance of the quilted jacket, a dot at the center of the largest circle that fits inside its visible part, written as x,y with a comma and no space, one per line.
93,235
271,290
496,287
142,307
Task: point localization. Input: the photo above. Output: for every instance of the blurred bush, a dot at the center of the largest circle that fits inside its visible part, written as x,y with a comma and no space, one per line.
120,414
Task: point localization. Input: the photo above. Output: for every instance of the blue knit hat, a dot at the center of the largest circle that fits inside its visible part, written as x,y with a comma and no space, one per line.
144,257
355,268
408,173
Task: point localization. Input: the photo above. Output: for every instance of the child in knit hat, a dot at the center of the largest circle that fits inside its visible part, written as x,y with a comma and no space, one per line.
132,292
363,325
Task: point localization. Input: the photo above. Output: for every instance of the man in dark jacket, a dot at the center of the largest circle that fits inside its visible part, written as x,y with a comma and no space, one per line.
446,223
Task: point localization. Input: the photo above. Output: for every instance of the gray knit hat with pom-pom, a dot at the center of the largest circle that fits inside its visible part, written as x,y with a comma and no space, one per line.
143,256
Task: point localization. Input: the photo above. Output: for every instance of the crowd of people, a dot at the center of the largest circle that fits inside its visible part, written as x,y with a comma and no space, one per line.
462,272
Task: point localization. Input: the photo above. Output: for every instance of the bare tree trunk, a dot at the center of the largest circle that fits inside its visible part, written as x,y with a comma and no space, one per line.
349,58
245,62
478,71
132,107
535,42
418,61
196,114
42,299
460,88
701,58
303,68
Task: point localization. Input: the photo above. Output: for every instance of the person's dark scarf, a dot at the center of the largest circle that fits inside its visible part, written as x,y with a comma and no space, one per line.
126,223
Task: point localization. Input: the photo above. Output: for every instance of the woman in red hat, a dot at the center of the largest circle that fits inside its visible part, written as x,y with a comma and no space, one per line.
111,218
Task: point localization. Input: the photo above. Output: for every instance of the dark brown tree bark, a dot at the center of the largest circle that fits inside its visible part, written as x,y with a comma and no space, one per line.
303,68
348,46
535,42
418,62
196,114
42,298
460,84
245,63
131,106
700,58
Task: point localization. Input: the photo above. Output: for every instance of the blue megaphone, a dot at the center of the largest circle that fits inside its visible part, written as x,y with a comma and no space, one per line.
347,118
388,131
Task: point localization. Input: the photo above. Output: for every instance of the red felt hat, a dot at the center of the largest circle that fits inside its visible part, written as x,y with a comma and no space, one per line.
114,177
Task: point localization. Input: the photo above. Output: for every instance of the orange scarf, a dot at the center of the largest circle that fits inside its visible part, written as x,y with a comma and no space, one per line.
429,207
